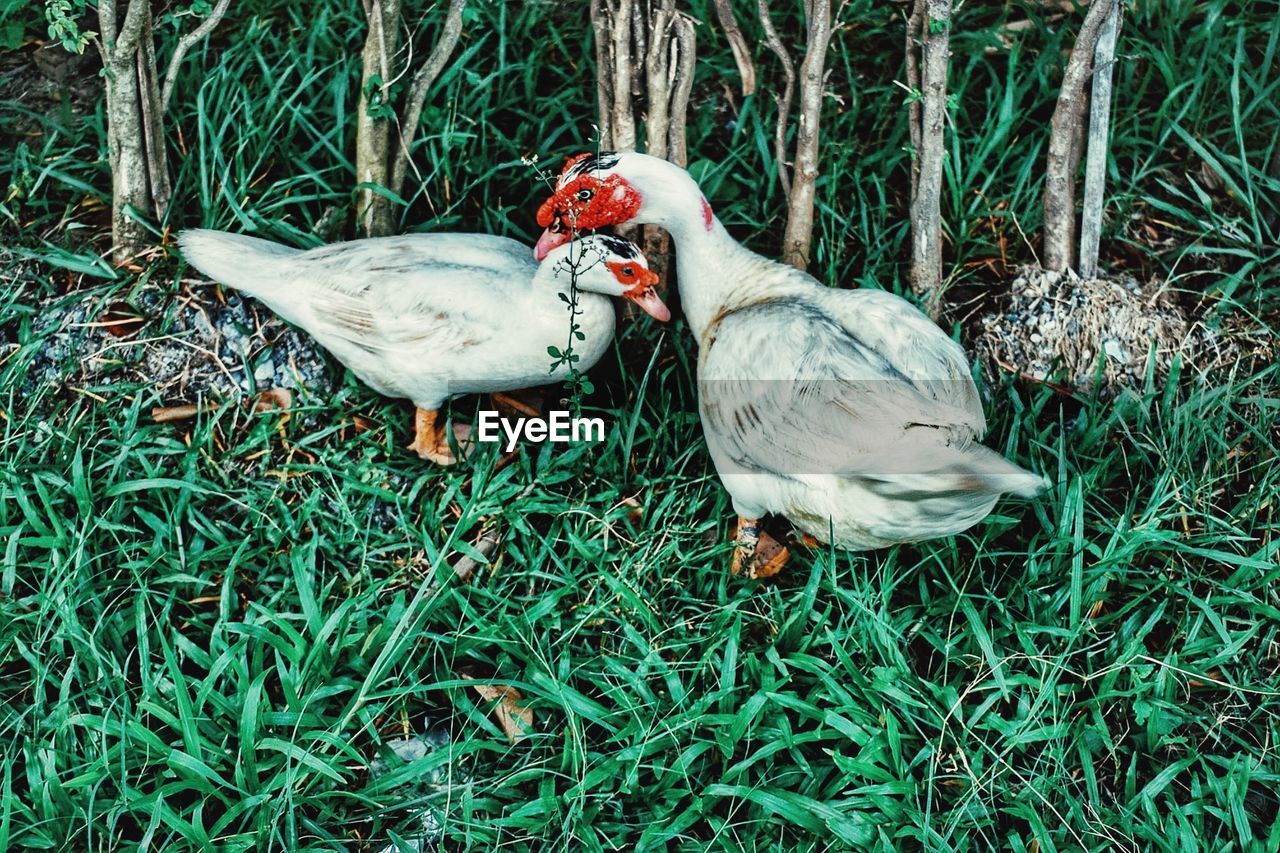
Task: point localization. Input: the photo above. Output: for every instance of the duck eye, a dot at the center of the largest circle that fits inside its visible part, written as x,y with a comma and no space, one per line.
628,271
585,195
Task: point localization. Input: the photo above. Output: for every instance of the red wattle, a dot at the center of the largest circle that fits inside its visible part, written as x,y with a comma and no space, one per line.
547,212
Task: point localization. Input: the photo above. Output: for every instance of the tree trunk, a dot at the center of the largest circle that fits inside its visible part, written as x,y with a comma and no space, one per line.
1064,144
798,233
374,213
128,162
136,103
915,92
1095,166
645,53
128,127
657,121
926,207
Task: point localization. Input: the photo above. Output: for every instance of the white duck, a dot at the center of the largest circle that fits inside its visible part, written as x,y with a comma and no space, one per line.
847,411
431,316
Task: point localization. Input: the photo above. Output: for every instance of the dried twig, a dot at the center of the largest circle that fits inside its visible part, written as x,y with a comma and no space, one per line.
738,44
1064,143
169,414
490,538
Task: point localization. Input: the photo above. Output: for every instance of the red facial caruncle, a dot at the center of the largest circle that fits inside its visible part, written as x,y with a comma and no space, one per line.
642,293
632,274
584,202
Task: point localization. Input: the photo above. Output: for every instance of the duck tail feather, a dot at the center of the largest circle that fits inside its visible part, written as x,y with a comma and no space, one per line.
236,260
975,470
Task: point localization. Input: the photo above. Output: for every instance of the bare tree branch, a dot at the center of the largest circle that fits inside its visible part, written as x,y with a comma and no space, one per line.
185,44
1064,145
422,82
1095,167
926,208
798,233
784,99
738,44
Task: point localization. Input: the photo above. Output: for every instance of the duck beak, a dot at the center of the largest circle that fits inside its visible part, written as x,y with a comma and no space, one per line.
548,241
647,298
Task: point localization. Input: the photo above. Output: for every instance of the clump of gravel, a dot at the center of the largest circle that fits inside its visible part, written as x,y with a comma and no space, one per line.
193,347
1056,326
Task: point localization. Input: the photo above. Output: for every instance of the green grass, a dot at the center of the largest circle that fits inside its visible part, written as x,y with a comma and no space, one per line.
209,630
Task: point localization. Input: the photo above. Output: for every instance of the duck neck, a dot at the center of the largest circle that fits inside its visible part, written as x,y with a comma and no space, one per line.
707,257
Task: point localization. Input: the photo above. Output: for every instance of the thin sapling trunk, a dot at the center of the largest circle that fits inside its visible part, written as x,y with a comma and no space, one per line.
383,138
737,44
926,205
645,51
783,98
797,235
1095,164
136,103
1064,143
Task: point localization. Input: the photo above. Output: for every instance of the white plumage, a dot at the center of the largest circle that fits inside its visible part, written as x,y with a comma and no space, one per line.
431,316
847,411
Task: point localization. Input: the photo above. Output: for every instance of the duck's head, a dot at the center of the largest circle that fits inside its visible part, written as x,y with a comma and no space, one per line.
608,188
609,265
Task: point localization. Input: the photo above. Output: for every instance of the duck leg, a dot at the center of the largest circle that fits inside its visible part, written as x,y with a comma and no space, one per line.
429,440
757,554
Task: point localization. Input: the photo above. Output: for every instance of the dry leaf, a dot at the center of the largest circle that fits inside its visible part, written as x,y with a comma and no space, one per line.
168,414
514,719
273,398
121,322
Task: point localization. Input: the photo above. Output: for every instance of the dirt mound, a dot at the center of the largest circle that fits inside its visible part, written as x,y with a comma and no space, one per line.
1060,328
